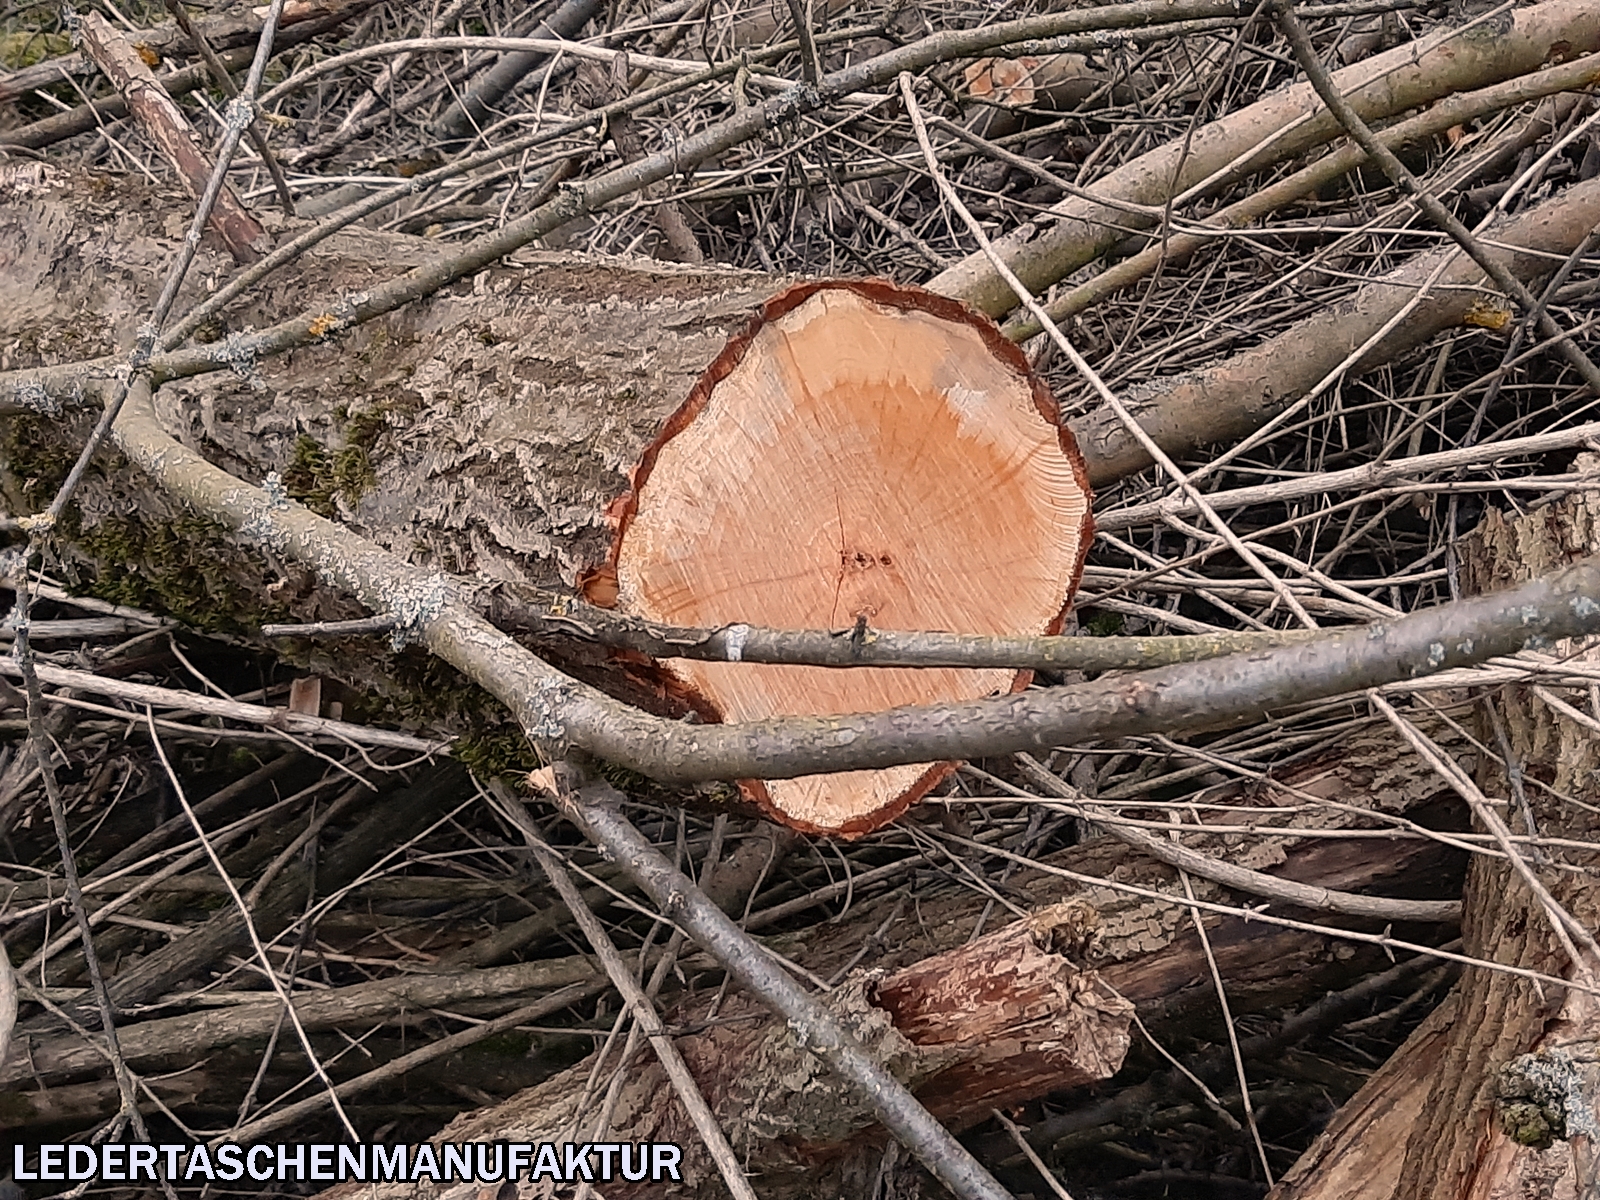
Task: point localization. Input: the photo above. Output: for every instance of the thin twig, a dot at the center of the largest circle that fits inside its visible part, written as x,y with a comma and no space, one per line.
1367,477
1031,1154
551,615
233,710
240,112
250,927
1026,298
1382,940
8,1001
810,62
224,80
644,1011
396,1067
39,742
1565,926
1227,1018
665,965
1242,879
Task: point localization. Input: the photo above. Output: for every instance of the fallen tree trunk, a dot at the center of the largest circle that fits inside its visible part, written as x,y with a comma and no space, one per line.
482,430
478,431
799,485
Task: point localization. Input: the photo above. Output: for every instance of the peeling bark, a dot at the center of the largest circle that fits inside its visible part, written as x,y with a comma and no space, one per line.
167,126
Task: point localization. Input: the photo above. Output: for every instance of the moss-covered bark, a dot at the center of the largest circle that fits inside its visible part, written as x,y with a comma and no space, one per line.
480,433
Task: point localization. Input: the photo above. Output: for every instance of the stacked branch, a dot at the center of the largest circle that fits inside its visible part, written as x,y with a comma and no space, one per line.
481,435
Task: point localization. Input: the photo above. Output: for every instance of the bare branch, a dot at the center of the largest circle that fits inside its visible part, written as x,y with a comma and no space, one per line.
1280,126
554,708
644,1010
592,810
548,614
1241,879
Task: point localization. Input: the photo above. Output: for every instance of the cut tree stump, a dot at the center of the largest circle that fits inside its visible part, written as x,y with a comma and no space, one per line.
863,454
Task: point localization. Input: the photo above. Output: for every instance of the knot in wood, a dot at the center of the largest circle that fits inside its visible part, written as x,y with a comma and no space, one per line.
1070,929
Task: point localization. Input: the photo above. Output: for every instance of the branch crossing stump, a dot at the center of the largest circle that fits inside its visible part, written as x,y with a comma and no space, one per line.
862,455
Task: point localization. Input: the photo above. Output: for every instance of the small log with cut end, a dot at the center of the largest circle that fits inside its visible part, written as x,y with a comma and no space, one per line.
1036,1018
861,454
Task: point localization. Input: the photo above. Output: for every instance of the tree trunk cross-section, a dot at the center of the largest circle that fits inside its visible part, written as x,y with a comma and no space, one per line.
862,452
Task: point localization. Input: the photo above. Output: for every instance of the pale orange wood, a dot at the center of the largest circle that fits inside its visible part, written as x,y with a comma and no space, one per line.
861,451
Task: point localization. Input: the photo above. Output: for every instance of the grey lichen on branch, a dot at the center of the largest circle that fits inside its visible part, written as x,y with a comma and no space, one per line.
1187,697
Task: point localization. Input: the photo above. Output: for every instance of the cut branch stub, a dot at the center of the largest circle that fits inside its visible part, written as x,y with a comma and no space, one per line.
861,452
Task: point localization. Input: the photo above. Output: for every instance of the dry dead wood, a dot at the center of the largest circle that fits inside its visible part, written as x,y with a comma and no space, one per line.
1286,123
1145,949
1439,1118
164,122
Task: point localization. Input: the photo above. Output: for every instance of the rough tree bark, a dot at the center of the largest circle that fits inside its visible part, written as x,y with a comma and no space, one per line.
1430,1125
481,431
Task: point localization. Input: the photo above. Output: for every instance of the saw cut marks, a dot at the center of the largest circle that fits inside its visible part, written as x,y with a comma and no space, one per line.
861,451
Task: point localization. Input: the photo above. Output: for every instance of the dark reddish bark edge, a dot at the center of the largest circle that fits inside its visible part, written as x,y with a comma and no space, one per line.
598,583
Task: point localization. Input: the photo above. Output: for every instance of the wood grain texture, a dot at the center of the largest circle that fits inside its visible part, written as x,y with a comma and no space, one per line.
860,452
